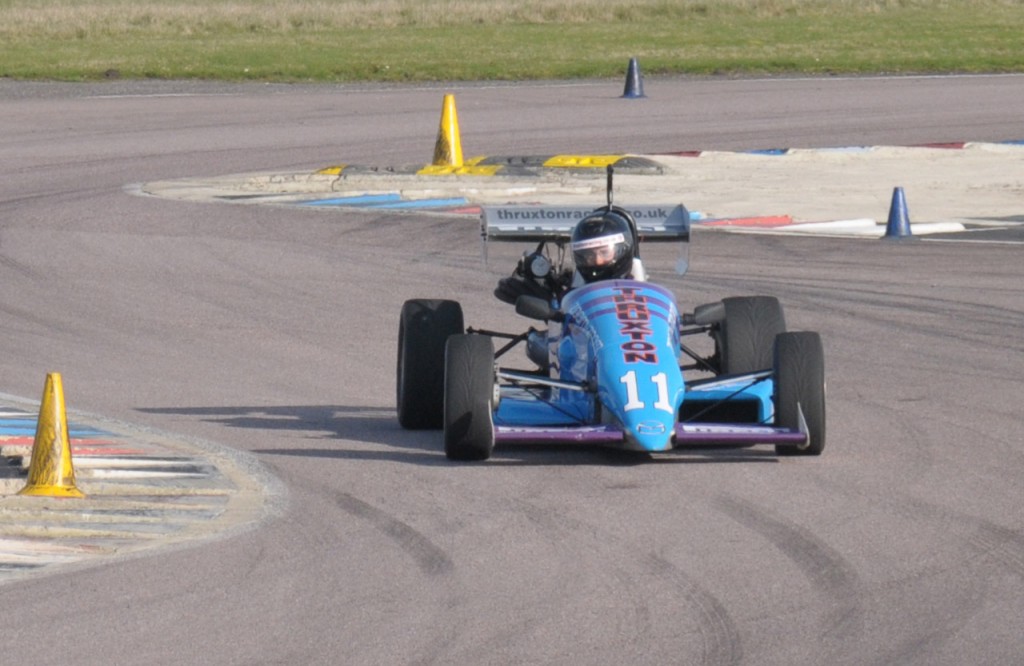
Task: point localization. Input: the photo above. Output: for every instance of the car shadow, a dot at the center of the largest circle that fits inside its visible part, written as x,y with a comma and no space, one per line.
342,423
379,425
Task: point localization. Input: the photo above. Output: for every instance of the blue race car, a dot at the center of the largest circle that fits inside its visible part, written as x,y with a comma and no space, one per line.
611,366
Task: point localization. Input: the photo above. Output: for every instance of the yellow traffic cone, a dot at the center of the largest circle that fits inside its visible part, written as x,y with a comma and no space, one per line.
51,473
448,149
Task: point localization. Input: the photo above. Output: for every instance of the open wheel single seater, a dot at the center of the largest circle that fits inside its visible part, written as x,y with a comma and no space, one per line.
611,365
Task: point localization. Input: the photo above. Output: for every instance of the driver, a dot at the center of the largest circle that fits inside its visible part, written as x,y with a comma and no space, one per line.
603,248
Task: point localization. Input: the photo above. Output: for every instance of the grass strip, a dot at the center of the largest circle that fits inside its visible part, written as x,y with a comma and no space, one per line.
451,40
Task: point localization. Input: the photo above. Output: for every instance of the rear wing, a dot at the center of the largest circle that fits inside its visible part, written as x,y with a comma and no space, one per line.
554,224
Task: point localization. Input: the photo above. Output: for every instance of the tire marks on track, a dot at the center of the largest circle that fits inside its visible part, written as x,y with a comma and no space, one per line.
646,576
641,576
970,560
1000,545
826,569
430,558
722,644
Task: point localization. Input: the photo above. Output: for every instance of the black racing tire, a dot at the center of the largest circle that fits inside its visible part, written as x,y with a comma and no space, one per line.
423,330
469,383
747,334
800,388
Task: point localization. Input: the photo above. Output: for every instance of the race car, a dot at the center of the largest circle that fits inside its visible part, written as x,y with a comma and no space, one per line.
611,367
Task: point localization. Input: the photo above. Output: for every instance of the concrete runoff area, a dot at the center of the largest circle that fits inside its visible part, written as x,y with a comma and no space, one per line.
976,187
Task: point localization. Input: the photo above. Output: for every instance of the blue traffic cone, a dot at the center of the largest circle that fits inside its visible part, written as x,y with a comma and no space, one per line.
634,82
898,225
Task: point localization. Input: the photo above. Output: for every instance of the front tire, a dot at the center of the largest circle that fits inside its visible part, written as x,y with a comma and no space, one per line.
747,335
423,329
469,383
800,389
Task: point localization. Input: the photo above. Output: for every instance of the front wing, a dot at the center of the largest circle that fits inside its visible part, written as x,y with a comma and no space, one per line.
686,435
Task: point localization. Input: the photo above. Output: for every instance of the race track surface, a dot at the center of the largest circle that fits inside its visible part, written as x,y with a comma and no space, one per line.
272,331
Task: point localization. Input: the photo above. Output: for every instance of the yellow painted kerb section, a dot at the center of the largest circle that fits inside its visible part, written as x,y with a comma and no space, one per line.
332,170
439,170
582,161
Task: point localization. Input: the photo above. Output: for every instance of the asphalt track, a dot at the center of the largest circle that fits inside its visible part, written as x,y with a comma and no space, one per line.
270,331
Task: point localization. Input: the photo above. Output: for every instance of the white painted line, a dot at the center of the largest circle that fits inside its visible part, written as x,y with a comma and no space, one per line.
141,474
9,545
845,228
112,461
921,228
868,228
836,226
36,559
972,240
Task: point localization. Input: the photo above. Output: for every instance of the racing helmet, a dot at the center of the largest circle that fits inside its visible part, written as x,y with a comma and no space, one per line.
603,246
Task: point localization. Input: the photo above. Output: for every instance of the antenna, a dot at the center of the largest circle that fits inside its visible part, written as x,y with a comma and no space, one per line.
611,171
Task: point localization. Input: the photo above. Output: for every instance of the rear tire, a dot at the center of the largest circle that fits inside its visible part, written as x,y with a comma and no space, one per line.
423,329
747,336
800,388
469,382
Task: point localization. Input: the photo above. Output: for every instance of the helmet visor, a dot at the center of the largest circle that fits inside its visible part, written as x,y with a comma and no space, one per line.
601,251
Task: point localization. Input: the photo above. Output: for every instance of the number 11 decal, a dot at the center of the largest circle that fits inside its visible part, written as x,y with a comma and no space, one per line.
633,400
